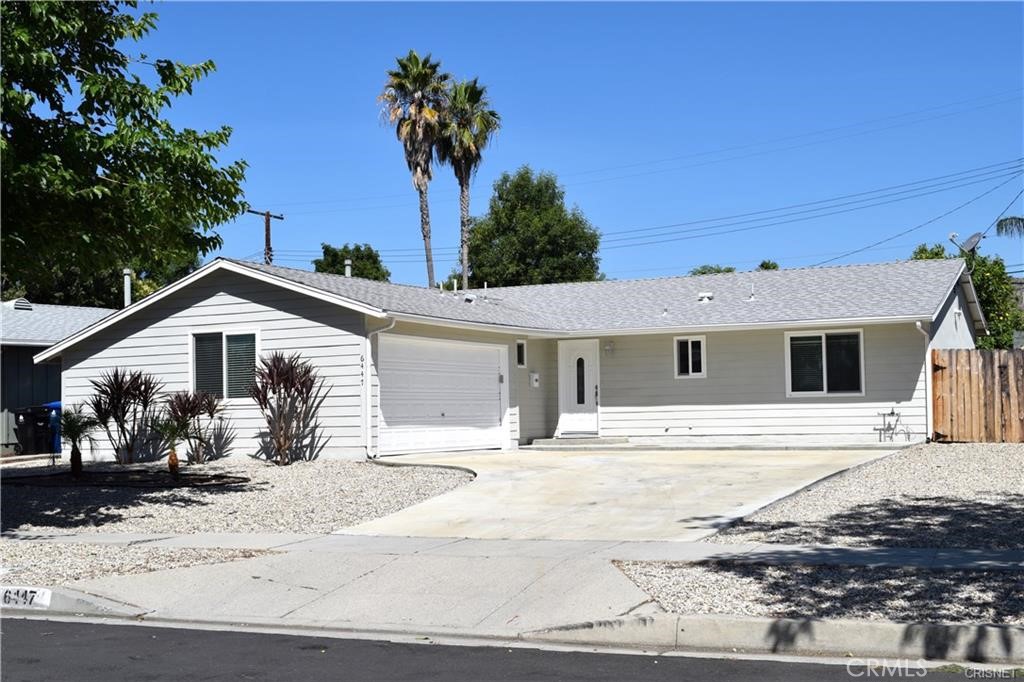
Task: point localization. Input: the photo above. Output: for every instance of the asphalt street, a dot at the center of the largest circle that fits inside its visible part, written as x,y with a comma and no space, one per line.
84,652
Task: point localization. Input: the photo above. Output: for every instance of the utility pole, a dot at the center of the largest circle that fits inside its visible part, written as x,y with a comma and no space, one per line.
268,251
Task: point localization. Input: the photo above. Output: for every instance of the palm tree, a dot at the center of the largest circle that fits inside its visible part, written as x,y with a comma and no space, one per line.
77,426
467,127
1011,226
413,99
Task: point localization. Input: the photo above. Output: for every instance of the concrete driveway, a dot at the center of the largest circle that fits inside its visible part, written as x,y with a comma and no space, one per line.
627,495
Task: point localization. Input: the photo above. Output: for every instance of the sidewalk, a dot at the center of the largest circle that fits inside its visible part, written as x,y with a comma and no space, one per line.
535,590
926,558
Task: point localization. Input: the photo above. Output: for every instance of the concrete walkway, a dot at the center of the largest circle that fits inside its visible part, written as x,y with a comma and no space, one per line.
607,495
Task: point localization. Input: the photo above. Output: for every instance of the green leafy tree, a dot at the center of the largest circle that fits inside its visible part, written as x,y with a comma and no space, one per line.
712,269
528,236
996,294
467,126
94,177
366,262
103,288
768,265
413,100
1011,226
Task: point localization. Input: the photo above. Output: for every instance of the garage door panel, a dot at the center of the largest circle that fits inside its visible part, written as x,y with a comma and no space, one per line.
439,395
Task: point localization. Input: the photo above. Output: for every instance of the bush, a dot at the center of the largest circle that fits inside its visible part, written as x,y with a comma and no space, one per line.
196,416
289,394
125,405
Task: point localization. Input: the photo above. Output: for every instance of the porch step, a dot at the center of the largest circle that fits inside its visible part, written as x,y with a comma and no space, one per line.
585,441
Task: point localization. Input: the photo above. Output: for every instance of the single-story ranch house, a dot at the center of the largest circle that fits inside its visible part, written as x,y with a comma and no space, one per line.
814,354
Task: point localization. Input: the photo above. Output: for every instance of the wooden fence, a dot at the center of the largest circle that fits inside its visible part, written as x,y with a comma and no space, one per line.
978,396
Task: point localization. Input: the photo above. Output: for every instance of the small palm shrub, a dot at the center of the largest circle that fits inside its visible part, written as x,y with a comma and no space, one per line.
125,405
76,426
289,393
198,415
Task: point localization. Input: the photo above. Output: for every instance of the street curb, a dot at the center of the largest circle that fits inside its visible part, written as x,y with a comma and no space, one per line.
397,465
801,637
66,601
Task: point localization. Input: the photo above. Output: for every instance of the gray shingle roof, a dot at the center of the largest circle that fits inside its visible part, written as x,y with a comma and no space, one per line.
45,324
910,289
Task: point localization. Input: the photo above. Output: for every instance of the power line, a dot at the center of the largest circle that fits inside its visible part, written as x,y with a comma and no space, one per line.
720,232
721,150
820,131
767,151
784,214
1002,213
1003,166
924,224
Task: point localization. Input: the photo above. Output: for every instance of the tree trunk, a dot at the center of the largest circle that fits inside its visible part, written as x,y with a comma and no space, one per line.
76,461
172,463
425,229
464,231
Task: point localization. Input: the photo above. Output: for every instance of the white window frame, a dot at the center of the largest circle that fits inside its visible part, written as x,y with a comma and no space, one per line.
689,349
224,332
822,333
525,360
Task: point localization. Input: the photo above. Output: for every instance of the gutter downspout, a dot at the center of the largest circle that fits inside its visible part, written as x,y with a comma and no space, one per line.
367,392
927,381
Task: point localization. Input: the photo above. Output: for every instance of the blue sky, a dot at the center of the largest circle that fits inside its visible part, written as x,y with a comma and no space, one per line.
651,115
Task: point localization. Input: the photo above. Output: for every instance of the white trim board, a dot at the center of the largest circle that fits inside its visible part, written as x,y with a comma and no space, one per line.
204,271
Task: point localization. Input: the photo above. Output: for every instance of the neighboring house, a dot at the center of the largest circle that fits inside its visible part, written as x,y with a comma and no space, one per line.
798,355
25,329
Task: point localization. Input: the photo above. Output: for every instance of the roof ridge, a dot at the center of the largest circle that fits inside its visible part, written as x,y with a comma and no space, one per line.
259,266
903,261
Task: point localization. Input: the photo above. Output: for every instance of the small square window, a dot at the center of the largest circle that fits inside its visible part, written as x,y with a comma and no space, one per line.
520,353
690,357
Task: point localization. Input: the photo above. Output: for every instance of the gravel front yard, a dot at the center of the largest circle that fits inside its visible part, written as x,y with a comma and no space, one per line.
305,497
46,564
793,591
968,495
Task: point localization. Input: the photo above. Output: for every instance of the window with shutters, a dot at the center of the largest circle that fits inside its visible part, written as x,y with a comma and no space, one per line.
224,363
691,357
825,363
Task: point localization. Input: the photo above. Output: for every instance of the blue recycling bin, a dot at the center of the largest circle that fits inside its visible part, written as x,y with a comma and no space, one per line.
54,409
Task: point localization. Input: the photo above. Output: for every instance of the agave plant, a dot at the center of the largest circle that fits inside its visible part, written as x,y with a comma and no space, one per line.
125,405
76,426
289,394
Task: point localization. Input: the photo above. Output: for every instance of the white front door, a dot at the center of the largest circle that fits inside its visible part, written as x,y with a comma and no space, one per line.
578,387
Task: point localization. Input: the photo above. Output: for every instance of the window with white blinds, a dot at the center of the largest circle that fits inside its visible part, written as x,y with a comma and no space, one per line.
224,364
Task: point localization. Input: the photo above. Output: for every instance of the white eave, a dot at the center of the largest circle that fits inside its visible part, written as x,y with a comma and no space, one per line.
209,268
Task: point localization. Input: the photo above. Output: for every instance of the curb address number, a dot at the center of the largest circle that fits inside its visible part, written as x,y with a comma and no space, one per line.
25,597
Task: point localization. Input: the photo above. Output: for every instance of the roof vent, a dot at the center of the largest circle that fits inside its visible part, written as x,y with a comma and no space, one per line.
22,304
469,298
705,296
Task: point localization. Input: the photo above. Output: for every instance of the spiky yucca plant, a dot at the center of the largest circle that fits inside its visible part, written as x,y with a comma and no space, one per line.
289,394
125,404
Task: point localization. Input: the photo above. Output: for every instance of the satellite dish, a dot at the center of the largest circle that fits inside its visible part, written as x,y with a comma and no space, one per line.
970,245
972,242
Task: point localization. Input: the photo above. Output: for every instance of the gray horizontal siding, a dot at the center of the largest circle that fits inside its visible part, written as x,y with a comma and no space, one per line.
744,393
156,339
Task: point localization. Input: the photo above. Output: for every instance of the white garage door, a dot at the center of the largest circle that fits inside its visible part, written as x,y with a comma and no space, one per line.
440,395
